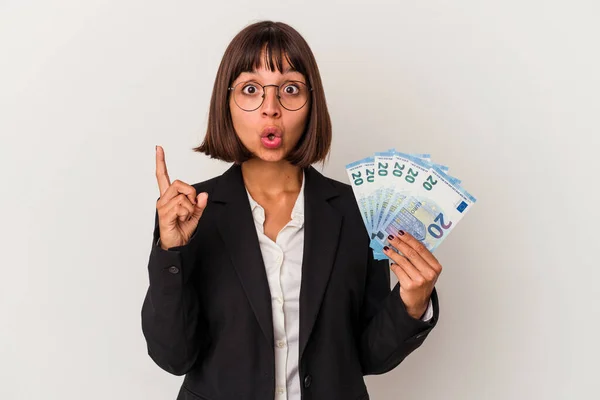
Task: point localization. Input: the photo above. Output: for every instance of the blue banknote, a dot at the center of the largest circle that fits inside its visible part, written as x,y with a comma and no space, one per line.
408,191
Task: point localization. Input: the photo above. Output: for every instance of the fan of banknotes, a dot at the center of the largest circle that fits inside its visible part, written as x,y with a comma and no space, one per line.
397,190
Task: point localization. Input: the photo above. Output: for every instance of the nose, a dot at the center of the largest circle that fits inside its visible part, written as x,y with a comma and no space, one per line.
271,106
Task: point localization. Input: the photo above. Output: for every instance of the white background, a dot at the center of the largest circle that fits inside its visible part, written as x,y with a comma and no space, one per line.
505,93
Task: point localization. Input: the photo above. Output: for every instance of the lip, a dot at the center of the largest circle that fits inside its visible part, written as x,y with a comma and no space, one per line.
271,130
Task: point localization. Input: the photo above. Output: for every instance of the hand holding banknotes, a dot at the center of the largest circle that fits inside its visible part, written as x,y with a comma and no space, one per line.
179,209
417,271
409,193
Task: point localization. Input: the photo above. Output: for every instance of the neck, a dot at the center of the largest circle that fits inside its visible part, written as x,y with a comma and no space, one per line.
271,178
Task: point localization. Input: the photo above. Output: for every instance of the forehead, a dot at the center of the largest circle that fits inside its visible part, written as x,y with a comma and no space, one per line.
269,63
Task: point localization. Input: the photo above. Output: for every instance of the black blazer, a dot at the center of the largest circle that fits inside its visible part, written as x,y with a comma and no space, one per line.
207,311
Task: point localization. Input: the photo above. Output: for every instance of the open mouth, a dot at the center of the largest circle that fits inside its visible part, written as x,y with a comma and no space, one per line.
271,140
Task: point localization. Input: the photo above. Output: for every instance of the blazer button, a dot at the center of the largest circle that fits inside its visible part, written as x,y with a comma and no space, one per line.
173,269
307,381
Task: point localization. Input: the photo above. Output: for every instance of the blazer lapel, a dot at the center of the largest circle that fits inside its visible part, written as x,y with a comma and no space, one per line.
322,225
236,226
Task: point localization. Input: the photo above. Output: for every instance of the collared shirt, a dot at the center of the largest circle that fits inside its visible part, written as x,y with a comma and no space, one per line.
283,265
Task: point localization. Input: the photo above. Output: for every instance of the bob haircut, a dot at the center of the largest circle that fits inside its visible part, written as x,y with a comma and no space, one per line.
243,54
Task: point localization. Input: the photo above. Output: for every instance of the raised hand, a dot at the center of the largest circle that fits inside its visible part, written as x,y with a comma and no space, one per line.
179,208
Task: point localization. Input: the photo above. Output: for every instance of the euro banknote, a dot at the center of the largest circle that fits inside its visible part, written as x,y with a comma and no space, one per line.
402,191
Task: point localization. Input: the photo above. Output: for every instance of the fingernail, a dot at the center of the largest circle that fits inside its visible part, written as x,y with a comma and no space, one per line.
386,248
401,232
390,237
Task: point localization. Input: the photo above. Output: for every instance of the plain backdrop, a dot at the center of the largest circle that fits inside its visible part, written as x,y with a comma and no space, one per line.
505,93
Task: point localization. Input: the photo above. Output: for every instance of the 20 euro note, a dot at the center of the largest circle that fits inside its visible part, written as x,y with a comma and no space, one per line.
387,172
400,173
357,174
372,186
412,170
408,174
429,214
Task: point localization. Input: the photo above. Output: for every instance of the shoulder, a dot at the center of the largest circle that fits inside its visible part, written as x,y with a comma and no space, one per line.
345,203
345,199
329,187
207,185
344,189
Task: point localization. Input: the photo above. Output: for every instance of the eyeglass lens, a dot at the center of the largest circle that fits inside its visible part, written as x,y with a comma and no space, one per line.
249,95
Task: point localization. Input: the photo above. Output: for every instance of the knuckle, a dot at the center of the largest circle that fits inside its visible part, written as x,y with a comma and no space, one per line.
419,246
419,280
411,253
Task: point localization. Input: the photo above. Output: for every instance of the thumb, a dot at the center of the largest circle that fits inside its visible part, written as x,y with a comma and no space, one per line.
201,201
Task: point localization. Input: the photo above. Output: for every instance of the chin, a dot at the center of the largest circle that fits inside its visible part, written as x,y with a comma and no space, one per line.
271,155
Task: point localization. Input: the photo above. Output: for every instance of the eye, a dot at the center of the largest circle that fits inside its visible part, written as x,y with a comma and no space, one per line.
249,89
291,88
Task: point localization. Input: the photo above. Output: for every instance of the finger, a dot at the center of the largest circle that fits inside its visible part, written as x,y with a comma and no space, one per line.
178,212
413,255
185,210
179,206
181,210
406,265
162,175
179,187
183,214
425,254
201,202
402,276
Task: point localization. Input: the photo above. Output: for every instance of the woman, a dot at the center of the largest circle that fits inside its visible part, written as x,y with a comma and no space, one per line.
262,281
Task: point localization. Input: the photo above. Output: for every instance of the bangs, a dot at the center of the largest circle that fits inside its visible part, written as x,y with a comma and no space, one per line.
268,48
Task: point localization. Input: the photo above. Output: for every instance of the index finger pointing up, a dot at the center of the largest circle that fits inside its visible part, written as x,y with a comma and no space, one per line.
162,176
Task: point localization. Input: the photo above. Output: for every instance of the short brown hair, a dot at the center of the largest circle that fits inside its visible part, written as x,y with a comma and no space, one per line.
244,55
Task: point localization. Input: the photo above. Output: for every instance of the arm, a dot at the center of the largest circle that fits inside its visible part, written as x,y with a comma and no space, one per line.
389,334
171,322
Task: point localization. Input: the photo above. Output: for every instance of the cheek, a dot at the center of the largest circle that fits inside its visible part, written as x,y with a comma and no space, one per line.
238,118
301,120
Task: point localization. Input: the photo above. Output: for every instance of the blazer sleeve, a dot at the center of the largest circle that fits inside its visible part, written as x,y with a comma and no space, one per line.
389,333
172,325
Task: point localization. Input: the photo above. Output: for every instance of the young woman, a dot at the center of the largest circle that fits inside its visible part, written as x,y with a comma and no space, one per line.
262,281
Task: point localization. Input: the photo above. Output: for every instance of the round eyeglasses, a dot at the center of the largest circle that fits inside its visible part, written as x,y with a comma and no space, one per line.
249,96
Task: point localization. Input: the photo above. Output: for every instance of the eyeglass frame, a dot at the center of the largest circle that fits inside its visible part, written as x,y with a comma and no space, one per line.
310,89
